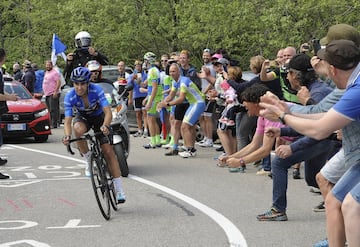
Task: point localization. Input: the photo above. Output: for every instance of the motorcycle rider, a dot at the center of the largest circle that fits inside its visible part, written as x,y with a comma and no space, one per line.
88,102
96,72
84,52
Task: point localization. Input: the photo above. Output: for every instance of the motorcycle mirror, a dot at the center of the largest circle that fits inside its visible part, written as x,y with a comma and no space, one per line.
129,87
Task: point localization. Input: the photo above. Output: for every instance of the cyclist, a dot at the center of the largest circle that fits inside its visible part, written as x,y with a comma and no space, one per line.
87,101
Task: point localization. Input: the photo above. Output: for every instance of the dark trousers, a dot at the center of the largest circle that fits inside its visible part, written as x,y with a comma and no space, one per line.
54,109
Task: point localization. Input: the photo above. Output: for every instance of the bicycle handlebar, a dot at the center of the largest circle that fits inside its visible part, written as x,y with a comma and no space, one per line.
87,136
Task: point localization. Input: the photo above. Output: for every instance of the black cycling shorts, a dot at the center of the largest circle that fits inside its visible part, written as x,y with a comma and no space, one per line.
93,122
139,103
180,111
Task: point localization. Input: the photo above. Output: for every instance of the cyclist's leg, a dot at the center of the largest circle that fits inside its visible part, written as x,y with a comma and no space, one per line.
80,127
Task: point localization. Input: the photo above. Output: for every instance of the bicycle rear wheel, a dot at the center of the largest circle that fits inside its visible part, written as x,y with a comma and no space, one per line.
100,185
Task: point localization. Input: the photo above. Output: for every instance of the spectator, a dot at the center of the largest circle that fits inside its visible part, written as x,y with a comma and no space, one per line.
39,78
51,86
206,120
136,97
188,90
154,96
17,73
3,107
29,77
342,204
261,144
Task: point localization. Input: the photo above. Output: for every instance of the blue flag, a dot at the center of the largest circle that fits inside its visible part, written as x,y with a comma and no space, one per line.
58,48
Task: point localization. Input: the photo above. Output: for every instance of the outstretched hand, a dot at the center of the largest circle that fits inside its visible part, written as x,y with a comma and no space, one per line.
273,107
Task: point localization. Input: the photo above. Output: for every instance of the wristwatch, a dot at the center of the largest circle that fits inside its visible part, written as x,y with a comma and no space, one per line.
282,117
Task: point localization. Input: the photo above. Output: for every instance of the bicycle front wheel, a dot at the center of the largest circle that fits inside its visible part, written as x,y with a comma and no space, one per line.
100,185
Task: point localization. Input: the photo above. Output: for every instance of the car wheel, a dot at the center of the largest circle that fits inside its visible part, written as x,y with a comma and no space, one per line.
41,138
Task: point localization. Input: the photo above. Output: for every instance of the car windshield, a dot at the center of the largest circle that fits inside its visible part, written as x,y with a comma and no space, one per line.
18,89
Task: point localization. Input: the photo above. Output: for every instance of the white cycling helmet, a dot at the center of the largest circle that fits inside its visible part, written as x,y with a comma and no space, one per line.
150,57
82,39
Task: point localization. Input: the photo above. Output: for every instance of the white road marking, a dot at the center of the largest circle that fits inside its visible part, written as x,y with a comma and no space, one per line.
235,237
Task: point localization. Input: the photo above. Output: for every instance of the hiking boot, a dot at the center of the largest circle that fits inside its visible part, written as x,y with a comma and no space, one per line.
320,207
149,146
272,215
120,197
187,154
322,243
3,161
262,172
296,173
172,152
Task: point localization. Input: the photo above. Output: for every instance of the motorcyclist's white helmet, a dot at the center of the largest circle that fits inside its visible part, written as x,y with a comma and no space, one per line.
82,39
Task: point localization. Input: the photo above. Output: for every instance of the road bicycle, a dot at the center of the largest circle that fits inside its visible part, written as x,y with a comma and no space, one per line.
101,179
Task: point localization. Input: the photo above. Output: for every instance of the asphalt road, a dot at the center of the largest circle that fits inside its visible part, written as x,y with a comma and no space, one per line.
171,201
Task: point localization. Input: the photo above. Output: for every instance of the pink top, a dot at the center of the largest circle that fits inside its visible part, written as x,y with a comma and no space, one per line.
263,123
51,79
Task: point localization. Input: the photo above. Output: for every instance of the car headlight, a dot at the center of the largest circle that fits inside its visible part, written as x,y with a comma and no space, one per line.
41,113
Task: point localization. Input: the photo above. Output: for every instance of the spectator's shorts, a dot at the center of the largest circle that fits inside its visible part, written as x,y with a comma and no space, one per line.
210,108
138,104
180,110
193,113
335,167
349,182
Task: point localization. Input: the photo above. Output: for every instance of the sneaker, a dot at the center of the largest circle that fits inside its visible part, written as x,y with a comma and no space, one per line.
120,197
137,134
320,207
272,215
220,149
3,161
206,144
158,145
146,133
202,141
240,169
87,170
296,173
315,191
167,146
187,154
263,172
322,243
172,152
3,176
149,146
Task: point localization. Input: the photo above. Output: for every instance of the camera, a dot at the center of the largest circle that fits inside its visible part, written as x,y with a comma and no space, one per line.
315,43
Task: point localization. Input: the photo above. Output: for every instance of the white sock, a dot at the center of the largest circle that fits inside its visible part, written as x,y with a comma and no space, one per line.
209,141
87,157
117,184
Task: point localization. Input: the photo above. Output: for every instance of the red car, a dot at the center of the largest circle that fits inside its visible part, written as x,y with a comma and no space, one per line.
27,117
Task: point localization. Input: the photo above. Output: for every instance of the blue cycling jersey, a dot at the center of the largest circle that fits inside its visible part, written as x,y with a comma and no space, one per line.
74,104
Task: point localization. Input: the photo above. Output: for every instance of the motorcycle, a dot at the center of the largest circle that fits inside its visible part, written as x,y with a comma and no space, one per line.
119,124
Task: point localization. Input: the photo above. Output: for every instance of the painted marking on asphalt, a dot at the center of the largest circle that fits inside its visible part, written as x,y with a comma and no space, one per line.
72,224
67,202
235,237
30,175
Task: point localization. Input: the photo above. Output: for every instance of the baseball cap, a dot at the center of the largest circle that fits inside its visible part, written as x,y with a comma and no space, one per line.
216,56
341,31
342,54
300,62
223,61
